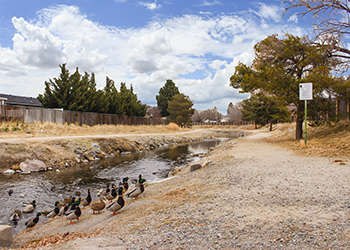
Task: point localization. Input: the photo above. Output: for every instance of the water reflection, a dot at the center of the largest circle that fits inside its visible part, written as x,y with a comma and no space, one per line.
48,187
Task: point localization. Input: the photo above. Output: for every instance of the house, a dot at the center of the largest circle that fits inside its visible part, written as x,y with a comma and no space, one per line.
13,100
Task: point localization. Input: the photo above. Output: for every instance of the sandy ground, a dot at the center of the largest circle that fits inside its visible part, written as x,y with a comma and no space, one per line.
253,195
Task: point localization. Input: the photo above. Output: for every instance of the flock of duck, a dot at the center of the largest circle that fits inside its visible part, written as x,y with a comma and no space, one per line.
111,199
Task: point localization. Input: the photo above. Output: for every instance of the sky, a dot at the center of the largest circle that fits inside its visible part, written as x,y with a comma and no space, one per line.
195,43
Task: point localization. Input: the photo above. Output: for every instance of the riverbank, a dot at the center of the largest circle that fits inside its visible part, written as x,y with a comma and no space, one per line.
252,194
69,150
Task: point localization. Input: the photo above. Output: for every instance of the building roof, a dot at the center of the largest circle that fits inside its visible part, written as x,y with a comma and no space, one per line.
21,100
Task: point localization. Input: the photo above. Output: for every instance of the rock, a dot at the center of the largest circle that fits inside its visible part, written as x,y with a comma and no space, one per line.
26,172
5,236
195,167
89,156
95,145
32,166
9,172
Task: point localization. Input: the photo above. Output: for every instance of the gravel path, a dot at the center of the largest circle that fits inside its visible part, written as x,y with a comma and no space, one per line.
253,195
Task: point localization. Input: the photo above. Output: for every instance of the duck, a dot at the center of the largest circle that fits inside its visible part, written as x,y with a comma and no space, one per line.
98,205
118,204
64,209
10,192
104,192
15,216
74,214
86,202
32,222
29,207
55,211
112,194
125,184
67,200
139,189
73,206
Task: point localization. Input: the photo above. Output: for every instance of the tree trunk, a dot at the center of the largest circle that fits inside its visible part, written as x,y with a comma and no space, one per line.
299,128
271,125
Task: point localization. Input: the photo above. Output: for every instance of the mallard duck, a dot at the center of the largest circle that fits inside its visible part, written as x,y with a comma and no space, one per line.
64,209
74,214
104,192
68,199
118,204
29,207
72,207
125,184
10,192
98,205
112,194
86,202
32,222
15,216
139,189
55,211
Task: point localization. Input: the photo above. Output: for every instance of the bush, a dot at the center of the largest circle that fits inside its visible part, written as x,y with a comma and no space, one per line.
173,126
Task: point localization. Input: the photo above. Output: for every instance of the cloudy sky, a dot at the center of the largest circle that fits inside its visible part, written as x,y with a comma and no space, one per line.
195,43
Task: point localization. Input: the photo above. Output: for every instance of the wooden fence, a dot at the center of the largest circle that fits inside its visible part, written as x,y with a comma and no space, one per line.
240,123
31,115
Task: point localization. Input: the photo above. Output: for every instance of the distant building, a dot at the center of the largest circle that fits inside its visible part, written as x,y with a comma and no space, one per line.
15,100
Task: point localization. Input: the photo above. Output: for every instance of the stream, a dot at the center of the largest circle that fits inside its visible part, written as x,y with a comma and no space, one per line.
48,187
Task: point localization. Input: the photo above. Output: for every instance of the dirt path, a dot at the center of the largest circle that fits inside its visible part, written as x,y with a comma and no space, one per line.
252,195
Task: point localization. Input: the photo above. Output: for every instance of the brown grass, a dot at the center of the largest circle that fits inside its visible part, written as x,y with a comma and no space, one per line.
325,140
16,130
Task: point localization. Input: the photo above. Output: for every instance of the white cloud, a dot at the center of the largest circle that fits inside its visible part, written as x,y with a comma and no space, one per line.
293,18
197,52
151,6
210,3
270,12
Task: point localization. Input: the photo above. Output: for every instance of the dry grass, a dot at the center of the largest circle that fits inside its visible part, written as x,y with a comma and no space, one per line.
16,130
330,141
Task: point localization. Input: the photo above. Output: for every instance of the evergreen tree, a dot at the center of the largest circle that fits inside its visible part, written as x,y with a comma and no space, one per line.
278,68
166,94
180,110
57,91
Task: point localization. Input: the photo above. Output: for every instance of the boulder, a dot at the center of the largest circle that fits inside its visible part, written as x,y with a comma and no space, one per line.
32,166
195,167
9,172
5,236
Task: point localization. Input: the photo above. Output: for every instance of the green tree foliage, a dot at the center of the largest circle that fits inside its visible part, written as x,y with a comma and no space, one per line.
180,110
278,68
78,92
263,109
166,94
57,91
128,104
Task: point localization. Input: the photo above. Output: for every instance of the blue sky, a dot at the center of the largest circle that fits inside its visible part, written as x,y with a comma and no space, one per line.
195,43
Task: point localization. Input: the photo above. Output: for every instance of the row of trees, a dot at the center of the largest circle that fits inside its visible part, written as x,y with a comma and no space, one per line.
78,92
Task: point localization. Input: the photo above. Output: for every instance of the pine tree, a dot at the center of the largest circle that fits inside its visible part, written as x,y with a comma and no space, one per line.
180,110
166,94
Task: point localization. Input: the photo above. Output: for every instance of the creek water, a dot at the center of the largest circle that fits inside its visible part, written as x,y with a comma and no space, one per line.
48,187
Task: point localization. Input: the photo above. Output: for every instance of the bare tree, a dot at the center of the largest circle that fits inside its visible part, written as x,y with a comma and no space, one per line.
332,24
234,112
211,114
153,112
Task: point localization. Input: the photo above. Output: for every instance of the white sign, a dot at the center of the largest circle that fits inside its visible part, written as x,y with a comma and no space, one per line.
305,91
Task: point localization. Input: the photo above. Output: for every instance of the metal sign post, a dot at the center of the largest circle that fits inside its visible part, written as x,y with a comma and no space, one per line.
305,93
